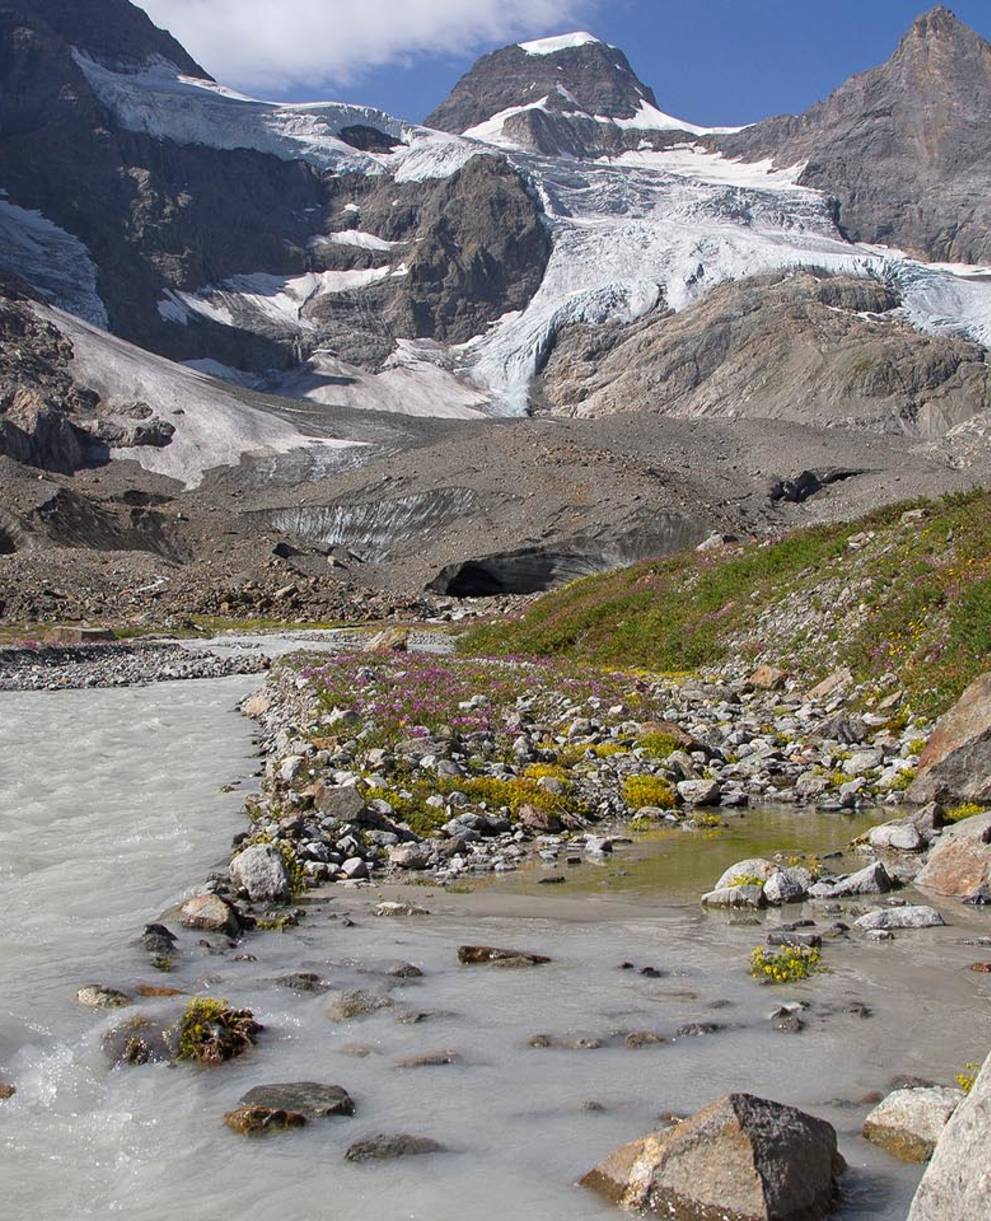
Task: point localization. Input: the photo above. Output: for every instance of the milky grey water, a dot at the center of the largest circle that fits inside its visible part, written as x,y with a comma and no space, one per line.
111,807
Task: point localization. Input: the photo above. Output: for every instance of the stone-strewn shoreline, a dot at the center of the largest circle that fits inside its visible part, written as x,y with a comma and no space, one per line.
115,664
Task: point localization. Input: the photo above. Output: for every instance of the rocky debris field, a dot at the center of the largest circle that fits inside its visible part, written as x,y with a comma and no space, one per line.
382,766
41,667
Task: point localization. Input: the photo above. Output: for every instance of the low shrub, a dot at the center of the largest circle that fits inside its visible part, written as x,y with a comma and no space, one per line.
785,966
640,791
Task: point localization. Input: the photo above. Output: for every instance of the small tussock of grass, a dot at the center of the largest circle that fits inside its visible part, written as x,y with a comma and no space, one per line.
746,879
211,1031
968,810
911,598
787,965
641,791
967,1076
658,745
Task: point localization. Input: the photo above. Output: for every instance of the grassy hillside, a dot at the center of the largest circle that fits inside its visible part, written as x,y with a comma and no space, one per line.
906,590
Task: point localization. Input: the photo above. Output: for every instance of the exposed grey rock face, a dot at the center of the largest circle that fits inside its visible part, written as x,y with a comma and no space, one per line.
871,880
795,347
956,764
957,1182
903,147
919,916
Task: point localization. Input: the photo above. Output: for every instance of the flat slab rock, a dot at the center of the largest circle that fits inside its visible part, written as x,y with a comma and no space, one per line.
908,1123
919,916
384,1147
307,1098
489,955
741,1156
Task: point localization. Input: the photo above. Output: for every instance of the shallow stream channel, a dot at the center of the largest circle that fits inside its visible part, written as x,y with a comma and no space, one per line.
115,804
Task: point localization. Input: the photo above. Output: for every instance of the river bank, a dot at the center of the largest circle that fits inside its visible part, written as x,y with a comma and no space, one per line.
528,1078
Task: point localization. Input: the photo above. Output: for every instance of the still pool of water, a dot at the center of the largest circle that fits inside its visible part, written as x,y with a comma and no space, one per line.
111,805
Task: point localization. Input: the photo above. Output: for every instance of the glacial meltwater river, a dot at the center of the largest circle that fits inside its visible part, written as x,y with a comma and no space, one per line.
112,807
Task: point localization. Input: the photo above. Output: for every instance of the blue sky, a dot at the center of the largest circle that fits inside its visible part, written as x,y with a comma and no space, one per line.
711,61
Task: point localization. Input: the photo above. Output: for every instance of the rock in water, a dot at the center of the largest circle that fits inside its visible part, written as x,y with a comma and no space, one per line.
960,861
261,872
210,913
385,1148
98,996
871,880
741,1157
919,916
258,1120
306,1098
957,1183
908,1123
956,763
479,955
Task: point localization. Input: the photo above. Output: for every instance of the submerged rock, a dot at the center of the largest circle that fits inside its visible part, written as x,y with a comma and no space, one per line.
735,896
140,1040
7,1090
357,1002
481,955
390,908
908,1123
96,996
388,1147
258,1120
741,1157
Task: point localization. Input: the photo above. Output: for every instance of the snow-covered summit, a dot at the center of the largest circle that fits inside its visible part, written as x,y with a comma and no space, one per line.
559,42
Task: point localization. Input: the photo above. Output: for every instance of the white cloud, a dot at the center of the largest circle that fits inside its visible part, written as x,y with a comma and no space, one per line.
283,44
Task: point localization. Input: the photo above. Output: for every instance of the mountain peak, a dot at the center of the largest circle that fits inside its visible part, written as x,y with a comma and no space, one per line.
575,71
937,20
116,33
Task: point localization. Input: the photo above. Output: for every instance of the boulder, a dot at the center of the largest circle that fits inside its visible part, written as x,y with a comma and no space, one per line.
490,955
344,803
789,885
957,1182
829,686
956,763
753,867
900,836
307,1098
960,861
919,916
388,1147
734,896
261,873
699,792
873,879
410,856
741,1157
908,1123
389,640
210,913
767,678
